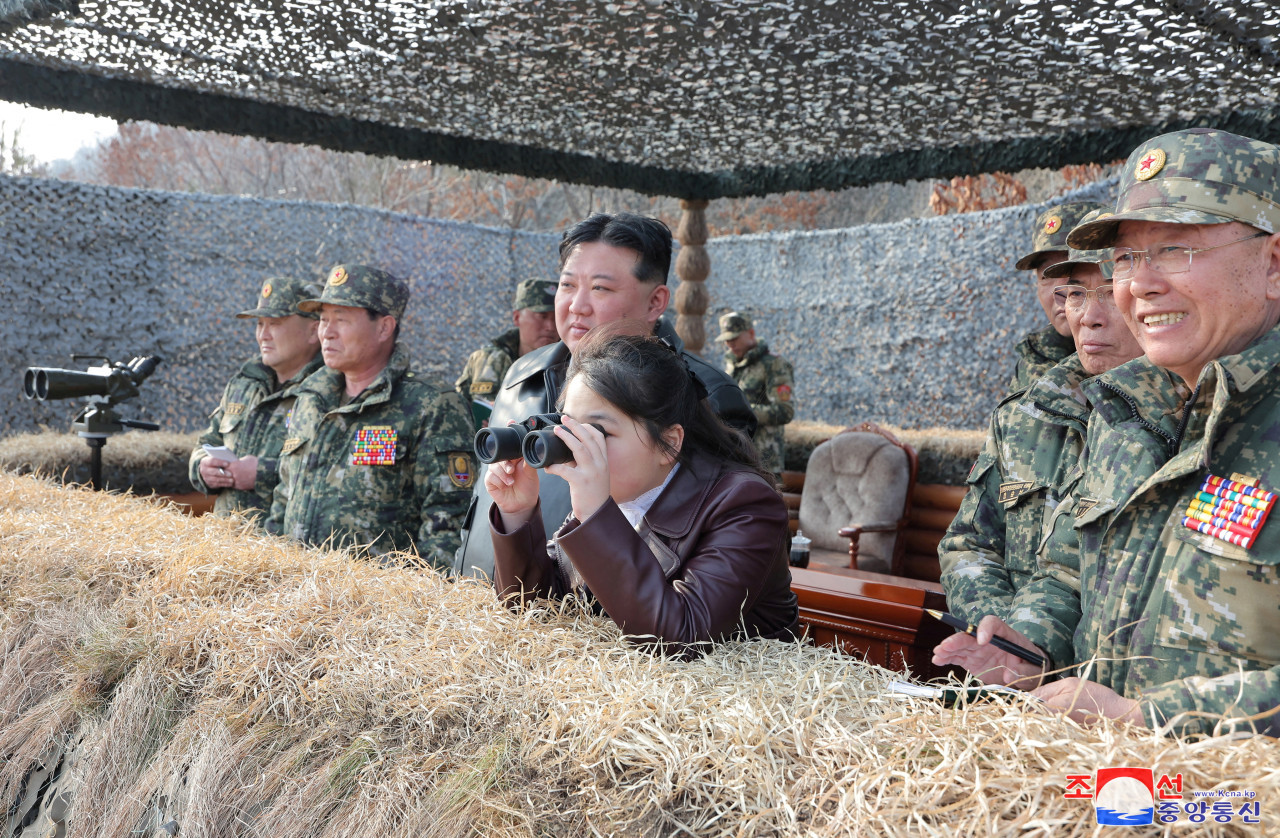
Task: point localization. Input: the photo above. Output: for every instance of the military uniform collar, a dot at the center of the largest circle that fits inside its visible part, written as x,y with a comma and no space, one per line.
1136,385
1059,392
753,354
316,362
509,342
329,384
1048,344
258,371
1250,366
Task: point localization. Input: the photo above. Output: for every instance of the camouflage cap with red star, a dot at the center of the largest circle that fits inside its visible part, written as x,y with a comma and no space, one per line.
1196,176
1051,228
1102,257
280,296
361,286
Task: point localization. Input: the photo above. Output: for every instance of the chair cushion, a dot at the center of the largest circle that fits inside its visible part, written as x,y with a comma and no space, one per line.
855,478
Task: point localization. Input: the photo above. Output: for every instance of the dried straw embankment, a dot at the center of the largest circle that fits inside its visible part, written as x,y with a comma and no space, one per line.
142,461
236,685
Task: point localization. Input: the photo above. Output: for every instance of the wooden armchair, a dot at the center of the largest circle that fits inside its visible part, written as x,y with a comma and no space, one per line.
858,487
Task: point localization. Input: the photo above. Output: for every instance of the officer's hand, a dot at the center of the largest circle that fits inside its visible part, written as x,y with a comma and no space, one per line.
1088,701
588,473
244,473
987,663
214,473
513,485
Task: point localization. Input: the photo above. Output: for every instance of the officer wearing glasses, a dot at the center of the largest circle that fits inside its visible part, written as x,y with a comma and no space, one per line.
993,549
1041,349
1179,564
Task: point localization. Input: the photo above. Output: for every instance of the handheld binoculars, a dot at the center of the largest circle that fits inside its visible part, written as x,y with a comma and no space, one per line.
534,439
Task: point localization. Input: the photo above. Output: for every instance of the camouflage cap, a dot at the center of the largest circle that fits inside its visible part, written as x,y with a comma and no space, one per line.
1196,176
535,295
733,324
1062,270
1051,230
361,286
282,296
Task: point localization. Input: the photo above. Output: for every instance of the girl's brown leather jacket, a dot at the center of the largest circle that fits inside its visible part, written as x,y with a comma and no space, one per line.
709,561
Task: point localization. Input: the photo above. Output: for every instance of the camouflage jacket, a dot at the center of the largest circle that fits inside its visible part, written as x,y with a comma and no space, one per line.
391,469
487,366
1181,620
766,380
250,420
992,550
1038,352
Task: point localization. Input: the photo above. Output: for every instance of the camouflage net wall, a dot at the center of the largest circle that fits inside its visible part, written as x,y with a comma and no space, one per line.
912,324
123,272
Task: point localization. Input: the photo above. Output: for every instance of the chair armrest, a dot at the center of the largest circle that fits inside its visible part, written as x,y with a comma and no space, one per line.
857,529
852,533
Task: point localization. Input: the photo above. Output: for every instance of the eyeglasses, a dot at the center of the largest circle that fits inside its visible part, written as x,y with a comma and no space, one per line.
1163,257
1076,297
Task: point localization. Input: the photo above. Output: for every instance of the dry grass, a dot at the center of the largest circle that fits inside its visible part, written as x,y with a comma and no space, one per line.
244,686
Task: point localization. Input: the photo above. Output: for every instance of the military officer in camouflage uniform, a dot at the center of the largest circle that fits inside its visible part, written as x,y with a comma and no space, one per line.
1179,567
250,419
992,551
766,381
533,314
1041,349
377,456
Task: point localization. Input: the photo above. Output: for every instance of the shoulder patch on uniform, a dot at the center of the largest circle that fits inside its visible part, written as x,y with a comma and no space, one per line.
291,444
1083,505
1011,491
461,472
234,408
480,388
784,392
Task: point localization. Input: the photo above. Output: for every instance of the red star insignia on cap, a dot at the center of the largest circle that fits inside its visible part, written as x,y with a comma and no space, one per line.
1052,224
1150,166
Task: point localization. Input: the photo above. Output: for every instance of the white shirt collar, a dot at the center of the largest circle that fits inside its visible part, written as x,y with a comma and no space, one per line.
635,510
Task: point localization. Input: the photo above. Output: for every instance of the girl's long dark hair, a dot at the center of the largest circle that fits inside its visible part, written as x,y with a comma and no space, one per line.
648,380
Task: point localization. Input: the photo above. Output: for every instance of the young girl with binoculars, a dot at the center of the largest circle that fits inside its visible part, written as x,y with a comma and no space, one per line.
675,532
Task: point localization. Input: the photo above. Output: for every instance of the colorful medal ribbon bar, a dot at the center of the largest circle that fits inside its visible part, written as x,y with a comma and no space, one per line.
1231,510
374,446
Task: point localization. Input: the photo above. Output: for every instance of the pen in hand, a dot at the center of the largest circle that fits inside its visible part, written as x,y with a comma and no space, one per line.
997,641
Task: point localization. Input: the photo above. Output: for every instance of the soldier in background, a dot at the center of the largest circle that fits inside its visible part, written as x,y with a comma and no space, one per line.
1038,351
533,313
766,380
250,420
377,457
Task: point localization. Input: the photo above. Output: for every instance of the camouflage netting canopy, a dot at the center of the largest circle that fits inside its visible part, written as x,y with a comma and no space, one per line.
676,97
